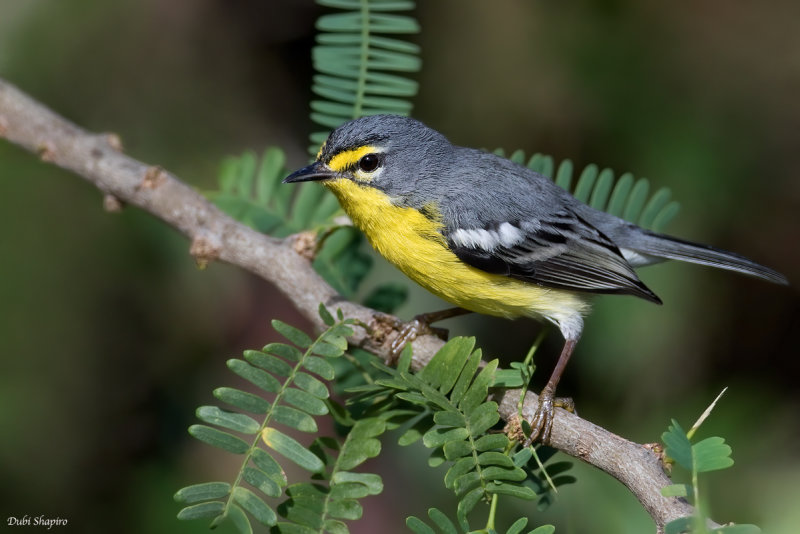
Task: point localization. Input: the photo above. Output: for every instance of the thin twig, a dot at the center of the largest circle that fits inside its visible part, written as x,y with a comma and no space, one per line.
215,236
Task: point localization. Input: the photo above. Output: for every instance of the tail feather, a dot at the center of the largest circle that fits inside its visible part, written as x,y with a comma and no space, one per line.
671,248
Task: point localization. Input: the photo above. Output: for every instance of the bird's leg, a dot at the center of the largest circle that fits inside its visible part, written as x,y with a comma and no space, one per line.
542,421
421,324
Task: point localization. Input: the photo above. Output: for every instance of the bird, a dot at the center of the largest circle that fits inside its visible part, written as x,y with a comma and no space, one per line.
491,236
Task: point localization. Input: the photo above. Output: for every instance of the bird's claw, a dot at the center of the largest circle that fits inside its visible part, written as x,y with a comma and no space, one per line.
541,424
409,331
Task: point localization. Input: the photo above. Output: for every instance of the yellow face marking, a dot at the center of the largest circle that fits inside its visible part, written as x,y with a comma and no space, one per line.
414,244
349,158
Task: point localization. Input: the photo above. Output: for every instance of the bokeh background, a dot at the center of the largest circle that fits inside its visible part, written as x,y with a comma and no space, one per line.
112,337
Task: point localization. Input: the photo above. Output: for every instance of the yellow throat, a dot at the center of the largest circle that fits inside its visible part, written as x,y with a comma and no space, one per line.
414,244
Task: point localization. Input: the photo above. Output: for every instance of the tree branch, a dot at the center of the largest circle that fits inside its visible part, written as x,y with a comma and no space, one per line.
215,236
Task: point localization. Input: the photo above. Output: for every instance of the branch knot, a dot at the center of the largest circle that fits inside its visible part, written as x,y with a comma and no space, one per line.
154,177
205,248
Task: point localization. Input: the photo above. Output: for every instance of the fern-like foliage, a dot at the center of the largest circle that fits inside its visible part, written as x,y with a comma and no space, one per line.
455,393
444,525
710,454
624,197
321,508
358,64
290,395
445,405
250,191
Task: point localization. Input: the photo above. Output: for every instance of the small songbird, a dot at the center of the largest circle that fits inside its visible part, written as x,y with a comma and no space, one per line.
489,235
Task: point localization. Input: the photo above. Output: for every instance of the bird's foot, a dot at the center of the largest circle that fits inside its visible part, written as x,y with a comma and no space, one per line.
541,423
408,332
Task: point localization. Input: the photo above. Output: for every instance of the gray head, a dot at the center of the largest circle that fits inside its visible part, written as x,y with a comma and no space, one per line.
387,152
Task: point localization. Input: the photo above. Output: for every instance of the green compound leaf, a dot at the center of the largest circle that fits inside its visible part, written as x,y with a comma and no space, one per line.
372,483
344,509
270,359
508,378
520,492
219,439
325,315
294,418
252,193
202,511
491,441
311,385
418,526
237,422
291,449
358,58
327,350
242,400
305,401
203,492
262,481
314,505
444,525
254,505
442,521
453,354
295,396
437,437
361,444
342,262
238,517
466,504
454,418
266,463
709,454
253,375
482,419
295,335
677,445
712,454
319,367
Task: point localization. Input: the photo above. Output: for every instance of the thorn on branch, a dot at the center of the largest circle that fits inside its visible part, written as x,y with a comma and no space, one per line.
111,203
205,248
46,151
3,126
153,178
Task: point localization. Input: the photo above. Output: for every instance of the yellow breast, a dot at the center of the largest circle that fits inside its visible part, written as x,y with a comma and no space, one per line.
414,244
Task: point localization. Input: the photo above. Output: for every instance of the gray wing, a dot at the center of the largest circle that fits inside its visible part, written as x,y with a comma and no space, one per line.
559,250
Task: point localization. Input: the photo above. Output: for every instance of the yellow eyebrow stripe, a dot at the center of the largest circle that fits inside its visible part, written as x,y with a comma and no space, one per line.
348,158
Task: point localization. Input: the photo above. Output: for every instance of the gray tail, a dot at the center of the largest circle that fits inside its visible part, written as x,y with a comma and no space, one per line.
671,248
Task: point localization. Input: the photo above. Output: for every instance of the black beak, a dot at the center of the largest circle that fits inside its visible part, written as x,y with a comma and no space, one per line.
313,173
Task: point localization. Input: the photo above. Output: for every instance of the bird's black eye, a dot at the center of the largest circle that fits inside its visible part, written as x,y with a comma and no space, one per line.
369,162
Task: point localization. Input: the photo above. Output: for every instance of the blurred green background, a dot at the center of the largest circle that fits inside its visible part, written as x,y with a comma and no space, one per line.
112,337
